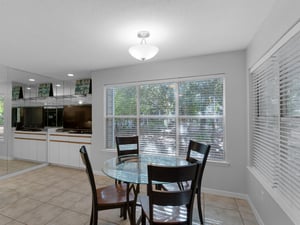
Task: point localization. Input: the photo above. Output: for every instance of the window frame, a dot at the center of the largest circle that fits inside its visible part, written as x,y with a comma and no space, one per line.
276,183
177,117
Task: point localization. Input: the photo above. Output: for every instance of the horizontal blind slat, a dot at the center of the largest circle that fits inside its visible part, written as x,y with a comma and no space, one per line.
275,109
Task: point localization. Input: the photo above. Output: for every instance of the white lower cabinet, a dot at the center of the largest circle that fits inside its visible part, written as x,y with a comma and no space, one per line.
63,149
56,148
30,146
53,152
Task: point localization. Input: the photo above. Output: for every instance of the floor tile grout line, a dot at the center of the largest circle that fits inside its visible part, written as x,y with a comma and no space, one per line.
8,217
61,190
51,219
16,218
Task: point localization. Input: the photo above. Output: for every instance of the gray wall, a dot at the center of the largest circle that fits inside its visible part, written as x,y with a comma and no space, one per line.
227,178
284,15
5,90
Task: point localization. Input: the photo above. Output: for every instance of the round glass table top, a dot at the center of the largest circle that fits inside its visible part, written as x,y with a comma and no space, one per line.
133,168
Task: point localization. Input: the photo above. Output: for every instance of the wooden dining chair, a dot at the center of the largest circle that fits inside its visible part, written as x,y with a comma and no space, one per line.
170,207
197,152
107,197
127,145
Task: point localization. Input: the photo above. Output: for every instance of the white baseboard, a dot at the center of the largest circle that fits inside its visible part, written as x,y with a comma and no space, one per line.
255,212
6,157
224,193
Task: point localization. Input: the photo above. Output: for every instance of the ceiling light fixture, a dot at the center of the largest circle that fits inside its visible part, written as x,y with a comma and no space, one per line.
143,51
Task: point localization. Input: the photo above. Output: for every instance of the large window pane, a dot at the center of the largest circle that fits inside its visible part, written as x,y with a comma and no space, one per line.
157,99
119,127
167,115
201,115
207,130
158,135
203,97
121,101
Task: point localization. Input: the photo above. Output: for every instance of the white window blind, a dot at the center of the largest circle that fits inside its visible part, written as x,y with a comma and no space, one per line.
166,115
275,107
201,115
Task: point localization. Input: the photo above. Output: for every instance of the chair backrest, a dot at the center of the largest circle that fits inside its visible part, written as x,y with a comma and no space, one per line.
89,171
182,198
198,152
127,145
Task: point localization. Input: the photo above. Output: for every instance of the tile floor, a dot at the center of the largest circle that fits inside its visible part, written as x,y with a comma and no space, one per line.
61,196
12,166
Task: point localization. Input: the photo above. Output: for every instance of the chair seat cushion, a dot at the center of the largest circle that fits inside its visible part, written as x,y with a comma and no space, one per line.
113,195
166,214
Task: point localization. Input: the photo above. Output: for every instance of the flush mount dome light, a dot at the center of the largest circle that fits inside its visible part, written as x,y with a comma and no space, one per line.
143,51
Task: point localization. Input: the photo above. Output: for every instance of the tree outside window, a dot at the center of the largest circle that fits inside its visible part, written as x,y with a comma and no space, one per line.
167,115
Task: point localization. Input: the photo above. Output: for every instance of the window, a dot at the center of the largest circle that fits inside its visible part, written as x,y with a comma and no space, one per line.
275,144
1,117
166,115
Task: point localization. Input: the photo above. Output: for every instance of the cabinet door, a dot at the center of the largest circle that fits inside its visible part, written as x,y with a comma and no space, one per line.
41,151
74,155
17,148
53,152
64,154
24,149
64,149
30,146
75,144
30,150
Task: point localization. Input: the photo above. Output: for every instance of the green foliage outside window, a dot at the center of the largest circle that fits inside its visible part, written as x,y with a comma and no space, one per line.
201,97
167,115
125,101
157,99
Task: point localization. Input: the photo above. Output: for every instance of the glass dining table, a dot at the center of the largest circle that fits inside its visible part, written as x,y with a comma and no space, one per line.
132,169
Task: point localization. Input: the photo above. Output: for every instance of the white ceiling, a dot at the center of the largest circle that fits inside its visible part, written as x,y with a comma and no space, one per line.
56,37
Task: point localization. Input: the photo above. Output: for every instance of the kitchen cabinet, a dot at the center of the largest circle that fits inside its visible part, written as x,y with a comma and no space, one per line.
63,148
30,146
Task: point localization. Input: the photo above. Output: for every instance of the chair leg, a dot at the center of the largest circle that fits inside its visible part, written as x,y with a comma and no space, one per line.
200,207
143,218
95,217
124,213
121,212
